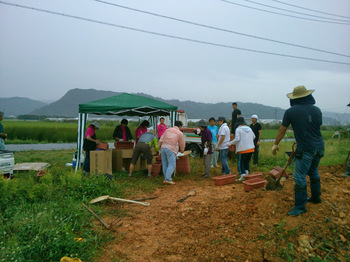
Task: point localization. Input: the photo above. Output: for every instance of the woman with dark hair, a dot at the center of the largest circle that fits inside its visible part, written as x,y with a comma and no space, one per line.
141,130
122,132
90,142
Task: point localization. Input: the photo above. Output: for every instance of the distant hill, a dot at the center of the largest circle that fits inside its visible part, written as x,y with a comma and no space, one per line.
67,106
19,105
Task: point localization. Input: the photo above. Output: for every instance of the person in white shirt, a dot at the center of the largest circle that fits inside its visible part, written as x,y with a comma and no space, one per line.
222,147
244,141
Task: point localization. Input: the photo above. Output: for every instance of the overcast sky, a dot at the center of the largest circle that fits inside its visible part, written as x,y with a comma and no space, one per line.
43,55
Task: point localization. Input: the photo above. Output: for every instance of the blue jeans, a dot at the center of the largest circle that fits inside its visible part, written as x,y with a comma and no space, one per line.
223,158
307,164
168,163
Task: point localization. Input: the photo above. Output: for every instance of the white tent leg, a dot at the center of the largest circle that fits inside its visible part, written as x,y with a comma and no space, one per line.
80,142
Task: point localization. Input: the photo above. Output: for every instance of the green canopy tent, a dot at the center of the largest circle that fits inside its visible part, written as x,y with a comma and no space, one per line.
122,105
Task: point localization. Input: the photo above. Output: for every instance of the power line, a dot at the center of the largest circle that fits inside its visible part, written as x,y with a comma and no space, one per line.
295,12
219,29
313,10
304,18
171,36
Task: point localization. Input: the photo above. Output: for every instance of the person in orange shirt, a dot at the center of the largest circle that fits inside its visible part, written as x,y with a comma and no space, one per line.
244,141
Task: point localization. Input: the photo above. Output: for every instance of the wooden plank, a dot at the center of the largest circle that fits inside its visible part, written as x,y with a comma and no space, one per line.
36,166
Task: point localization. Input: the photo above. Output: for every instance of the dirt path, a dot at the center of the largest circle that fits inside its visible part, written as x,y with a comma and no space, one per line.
228,224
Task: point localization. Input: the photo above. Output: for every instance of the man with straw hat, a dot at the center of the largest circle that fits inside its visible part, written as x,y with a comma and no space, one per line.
306,120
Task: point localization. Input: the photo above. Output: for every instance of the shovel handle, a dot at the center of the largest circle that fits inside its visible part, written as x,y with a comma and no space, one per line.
129,201
288,162
183,199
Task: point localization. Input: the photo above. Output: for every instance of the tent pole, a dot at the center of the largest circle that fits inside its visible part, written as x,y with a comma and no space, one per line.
80,142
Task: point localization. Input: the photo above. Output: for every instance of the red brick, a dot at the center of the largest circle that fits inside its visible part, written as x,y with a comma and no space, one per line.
281,169
224,180
253,183
254,175
156,168
276,172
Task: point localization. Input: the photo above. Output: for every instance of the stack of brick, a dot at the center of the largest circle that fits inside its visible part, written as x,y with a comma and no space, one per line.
183,165
253,181
157,166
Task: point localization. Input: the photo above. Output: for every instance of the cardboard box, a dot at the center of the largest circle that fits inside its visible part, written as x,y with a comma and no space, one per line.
121,159
101,162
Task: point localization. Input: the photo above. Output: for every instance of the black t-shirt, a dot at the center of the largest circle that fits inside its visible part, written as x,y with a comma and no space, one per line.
256,129
306,121
235,114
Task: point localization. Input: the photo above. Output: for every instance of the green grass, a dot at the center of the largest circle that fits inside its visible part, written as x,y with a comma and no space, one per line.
31,132
39,218
25,132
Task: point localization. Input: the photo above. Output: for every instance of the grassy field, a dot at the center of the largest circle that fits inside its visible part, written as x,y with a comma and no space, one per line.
27,132
31,132
40,218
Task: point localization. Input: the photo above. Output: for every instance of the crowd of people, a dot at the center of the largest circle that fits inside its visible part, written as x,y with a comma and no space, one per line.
215,143
304,117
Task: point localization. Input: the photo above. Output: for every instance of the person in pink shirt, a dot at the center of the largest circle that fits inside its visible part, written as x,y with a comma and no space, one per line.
90,142
170,142
161,127
141,130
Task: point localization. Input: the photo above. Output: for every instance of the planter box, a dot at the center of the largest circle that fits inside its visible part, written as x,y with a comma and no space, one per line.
103,146
123,145
276,172
254,175
224,180
253,183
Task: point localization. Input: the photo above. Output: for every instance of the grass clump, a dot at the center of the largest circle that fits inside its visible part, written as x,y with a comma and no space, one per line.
40,219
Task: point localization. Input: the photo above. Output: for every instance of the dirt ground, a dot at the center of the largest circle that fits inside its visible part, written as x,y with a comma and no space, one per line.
225,223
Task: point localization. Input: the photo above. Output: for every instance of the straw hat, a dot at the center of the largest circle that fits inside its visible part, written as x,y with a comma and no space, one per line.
299,92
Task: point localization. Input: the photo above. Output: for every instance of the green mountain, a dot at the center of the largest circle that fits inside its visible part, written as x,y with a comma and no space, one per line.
67,106
14,106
